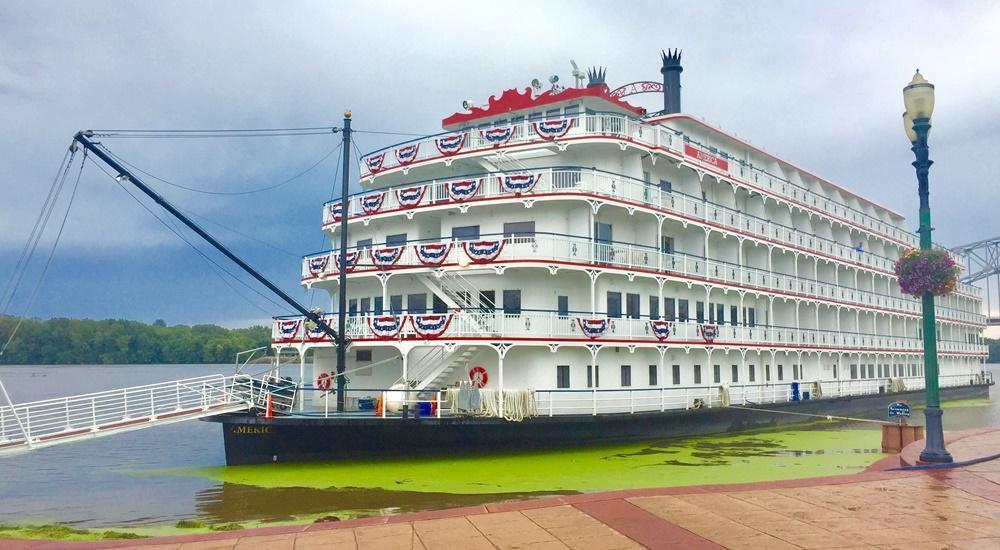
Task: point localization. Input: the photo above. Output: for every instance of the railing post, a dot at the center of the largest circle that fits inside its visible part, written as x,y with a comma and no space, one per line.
152,407
66,408
125,400
93,413
177,390
631,401
662,404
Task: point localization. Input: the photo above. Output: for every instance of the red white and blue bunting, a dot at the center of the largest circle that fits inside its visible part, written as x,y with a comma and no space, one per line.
432,253
314,332
371,204
386,257
553,129
335,211
519,183
449,145
498,136
407,153
431,325
594,328
318,264
464,190
288,328
386,327
410,196
709,332
482,252
374,162
351,258
661,329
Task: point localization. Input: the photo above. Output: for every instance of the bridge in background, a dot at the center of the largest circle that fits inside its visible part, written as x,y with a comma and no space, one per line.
982,267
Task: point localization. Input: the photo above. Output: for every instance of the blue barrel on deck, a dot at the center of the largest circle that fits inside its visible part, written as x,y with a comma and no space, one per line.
795,392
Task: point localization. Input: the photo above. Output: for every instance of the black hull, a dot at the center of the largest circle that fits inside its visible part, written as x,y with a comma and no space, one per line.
257,440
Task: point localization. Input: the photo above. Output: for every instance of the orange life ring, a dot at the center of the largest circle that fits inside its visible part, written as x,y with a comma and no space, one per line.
479,376
324,380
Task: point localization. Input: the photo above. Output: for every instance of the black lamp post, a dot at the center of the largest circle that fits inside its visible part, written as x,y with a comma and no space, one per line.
918,98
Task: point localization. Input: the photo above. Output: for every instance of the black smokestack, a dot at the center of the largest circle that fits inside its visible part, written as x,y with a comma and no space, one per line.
671,72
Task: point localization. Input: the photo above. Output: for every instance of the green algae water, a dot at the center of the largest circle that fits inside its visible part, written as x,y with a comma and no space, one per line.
172,479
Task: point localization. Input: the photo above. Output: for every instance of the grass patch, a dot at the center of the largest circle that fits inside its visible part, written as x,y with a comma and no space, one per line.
190,524
56,531
226,527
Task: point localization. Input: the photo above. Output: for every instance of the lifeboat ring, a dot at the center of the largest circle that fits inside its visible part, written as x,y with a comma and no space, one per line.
479,376
324,380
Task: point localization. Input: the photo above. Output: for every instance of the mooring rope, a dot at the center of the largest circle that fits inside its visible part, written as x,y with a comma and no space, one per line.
826,416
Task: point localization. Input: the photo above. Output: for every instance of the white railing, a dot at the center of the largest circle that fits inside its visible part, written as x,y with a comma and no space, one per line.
565,248
473,325
42,423
658,138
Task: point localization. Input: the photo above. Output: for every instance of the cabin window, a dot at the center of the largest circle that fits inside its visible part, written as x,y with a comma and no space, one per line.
711,312
675,374
717,374
752,316
366,306
666,186
512,302
614,304
720,313
652,375
416,303
682,306
364,243
519,231
733,311
553,113
626,376
535,116
572,110
363,355
465,232
699,311
516,120
398,239
854,372
666,244
632,306
379,306
562,376
396,304
352,307
654,307
781,372
836,373
487,300
767,373
697,374
562,302
752,373
735,373
669,309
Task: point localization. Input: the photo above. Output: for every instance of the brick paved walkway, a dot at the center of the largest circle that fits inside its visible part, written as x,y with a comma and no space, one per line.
875,509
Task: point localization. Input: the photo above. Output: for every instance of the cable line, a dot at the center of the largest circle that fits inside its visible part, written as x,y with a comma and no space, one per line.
387,133
225,193
244,235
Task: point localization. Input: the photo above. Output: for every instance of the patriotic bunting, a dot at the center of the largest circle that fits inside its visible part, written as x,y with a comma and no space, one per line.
407,153
482,252
313,332
386,257
372,203
288,328
318,264
498,136
661,329
432,253
519,183
553,129
351,258
449,145
593,328
335,211
709,332
431,325
386,327
411,196
374,162
464,189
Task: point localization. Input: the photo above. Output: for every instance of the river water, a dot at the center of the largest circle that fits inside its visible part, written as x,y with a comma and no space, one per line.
150,479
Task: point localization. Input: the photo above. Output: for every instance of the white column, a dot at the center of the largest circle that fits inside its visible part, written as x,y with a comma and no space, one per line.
500,382
302,378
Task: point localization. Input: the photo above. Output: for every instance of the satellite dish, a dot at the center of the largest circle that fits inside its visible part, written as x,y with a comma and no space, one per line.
467,104
577,73
536,84
553,79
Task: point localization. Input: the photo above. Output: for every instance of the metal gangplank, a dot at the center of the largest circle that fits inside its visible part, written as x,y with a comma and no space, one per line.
38,424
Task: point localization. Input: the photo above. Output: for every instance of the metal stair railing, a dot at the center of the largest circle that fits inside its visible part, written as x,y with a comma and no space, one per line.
50,421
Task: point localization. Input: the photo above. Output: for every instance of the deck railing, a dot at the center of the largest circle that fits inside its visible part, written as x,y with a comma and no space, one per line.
655,137
577,250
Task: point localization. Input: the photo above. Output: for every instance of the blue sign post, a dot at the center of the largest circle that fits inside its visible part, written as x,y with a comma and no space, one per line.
899,411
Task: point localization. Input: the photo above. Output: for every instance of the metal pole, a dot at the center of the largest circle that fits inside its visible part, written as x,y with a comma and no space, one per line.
342,342
934,450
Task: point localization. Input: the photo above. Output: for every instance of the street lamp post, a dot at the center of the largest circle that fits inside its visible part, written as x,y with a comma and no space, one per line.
918,98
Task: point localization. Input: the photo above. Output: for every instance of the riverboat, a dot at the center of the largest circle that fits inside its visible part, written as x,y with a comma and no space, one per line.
562,267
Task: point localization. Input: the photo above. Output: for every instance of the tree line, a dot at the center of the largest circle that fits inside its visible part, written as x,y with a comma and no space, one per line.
119,341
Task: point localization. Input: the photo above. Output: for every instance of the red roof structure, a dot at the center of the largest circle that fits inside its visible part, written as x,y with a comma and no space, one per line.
512,100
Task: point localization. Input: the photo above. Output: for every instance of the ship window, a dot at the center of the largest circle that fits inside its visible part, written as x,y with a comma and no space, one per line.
614,304
416,303
699,311
364,243
697,374
711,312
666,186
366,306
654,307
666,244
675,374
363,355
512,302
736,373
626,376
562,302
752,373
836,372
487,300
465,232
854,372
572,110
795,372
720,313
632,306
396,240
652,375
752,316
767,373
562,376
439,305
733,311
352,307
645,176
523,232
396,304
379,306
535,116
717,373
682,307
781,372
553,113
516,120
668,309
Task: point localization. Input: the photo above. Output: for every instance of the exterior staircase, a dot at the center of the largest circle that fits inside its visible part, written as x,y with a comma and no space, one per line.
435,366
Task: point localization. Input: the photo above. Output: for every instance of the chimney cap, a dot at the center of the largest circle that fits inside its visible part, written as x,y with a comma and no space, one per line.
671,60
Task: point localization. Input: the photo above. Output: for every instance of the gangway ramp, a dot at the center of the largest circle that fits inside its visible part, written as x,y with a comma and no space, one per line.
39,424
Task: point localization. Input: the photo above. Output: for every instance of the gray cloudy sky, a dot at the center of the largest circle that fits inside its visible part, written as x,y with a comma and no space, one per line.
817,83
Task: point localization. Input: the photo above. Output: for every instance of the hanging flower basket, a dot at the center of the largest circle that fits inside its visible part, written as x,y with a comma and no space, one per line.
921,271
